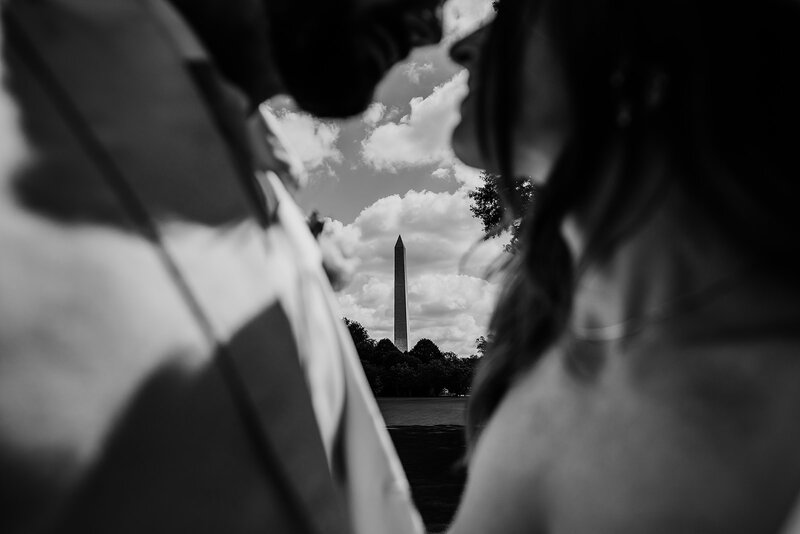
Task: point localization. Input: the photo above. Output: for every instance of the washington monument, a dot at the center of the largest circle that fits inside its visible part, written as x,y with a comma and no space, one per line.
400,301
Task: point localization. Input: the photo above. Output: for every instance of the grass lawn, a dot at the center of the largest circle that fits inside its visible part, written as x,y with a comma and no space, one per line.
428,434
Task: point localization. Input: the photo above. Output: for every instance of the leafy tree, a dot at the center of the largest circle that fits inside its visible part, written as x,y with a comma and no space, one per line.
386,346
462,379
365,345
423,371
386,354
487,206
358,332
481,344
373,373
403,378
432,377
426,350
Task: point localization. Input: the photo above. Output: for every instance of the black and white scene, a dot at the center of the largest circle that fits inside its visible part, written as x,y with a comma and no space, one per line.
399,267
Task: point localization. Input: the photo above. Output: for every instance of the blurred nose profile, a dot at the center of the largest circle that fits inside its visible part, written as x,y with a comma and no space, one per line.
466,50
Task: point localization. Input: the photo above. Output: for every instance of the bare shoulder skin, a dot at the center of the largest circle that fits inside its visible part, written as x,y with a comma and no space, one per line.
690,426
622,454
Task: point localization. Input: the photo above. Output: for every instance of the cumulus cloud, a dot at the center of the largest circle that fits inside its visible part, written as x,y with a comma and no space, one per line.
415,70
312,140
441,173
468,177
393,113
450,301
421,137
374,113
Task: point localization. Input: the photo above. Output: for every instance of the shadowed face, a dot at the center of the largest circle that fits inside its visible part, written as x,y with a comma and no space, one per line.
331,54
466,143
541,120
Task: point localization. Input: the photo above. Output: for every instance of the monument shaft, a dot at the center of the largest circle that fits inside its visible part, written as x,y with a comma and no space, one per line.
400,300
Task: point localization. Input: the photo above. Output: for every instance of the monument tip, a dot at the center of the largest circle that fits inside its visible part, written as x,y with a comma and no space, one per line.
399,242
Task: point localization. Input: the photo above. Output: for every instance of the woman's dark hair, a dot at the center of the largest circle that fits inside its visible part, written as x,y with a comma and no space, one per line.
717,83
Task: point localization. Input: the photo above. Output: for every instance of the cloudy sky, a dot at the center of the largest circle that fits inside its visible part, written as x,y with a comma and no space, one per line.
390,172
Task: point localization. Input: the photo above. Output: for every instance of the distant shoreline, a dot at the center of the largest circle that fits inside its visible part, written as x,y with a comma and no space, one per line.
423,411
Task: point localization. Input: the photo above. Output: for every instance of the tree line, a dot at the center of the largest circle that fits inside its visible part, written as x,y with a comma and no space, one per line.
423,371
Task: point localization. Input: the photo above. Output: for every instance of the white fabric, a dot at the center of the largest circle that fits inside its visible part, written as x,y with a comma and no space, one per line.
88,314
378,493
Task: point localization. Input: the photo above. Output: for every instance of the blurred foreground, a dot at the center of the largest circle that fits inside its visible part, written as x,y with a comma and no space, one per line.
429,436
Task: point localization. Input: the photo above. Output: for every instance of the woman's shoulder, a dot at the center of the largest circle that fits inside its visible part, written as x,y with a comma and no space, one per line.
503,492
593,427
